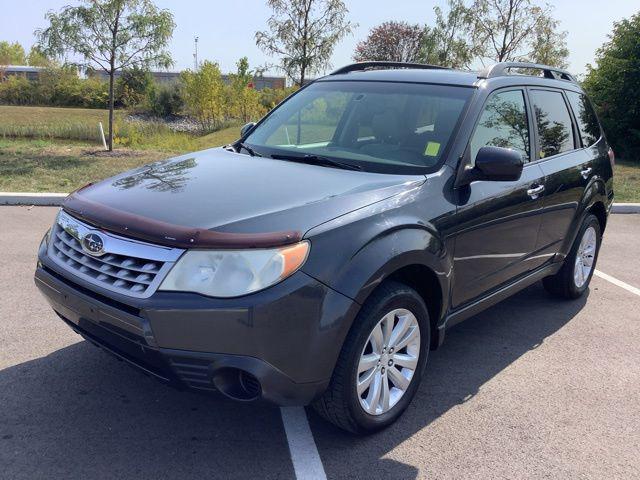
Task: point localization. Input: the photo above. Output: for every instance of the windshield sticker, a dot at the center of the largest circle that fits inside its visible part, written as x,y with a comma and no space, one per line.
432,149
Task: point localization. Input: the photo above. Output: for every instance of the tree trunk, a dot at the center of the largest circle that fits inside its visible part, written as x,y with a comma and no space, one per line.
111,103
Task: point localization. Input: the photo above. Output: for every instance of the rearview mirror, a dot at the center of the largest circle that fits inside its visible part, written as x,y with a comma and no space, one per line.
246,128
498,164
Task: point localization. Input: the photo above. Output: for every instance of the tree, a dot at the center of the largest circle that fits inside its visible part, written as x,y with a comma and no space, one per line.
244,98
392,41
205,95
37,58
549,46
12,54
447,42
613,85
110,35
303,33
507,30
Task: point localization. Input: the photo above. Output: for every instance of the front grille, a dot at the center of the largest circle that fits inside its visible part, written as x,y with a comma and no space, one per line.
136,275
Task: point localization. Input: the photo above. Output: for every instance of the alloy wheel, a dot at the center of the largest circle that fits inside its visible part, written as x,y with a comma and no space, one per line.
584,257
388,361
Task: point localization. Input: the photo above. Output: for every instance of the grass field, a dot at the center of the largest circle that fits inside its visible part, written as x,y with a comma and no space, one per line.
28,165
626,182
51,122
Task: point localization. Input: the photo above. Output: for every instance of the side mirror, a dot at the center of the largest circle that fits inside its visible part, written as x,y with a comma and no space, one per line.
498,164
246,128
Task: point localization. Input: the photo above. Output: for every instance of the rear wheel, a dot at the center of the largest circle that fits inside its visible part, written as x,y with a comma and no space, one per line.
573,278
381,363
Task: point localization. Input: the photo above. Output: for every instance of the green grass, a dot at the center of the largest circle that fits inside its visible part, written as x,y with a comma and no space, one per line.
50,123
626,182
62,166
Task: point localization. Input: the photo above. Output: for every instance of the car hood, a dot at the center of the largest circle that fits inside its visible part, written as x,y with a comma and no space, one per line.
195,197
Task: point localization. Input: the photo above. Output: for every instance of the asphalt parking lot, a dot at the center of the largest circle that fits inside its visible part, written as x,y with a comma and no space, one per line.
531,388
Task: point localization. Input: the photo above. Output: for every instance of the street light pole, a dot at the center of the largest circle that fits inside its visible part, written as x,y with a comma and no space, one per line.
195,55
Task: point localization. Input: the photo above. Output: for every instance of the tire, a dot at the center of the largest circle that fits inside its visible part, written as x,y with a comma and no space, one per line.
566,283
341,404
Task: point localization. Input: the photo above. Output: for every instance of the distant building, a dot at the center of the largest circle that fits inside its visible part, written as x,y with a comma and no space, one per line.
30,73
167,77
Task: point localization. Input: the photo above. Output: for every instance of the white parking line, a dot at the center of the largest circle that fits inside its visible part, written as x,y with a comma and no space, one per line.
302,446
617,282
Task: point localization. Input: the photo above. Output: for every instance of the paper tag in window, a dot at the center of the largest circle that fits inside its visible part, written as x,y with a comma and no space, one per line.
432,149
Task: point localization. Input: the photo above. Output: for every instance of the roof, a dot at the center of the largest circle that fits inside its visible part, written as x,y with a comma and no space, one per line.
20,68
501,73
438,76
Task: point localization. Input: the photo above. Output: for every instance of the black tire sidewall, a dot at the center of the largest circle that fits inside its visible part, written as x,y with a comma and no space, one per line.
402,297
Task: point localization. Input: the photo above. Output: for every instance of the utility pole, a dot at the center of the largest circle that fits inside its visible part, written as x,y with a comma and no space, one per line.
195,54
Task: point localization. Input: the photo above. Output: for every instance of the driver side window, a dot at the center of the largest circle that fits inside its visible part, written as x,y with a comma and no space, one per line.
503,123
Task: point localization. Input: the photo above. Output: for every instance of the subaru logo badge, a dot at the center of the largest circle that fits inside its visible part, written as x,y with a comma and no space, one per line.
93,244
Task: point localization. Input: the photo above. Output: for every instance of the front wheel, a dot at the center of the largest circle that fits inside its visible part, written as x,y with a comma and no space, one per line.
573,278
381,363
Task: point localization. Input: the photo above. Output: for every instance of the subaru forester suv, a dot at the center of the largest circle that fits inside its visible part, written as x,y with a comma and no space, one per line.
319,258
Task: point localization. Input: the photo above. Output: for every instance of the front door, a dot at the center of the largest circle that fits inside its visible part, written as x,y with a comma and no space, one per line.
498,221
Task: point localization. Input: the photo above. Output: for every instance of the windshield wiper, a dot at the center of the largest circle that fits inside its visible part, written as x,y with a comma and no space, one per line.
317,160
249,150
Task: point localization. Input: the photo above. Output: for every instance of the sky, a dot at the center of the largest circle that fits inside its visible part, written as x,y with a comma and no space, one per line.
226,28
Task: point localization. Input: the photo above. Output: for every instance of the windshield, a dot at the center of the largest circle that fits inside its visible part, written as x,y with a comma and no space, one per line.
377,126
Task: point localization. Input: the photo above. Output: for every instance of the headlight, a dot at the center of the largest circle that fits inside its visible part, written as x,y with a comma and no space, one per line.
232,273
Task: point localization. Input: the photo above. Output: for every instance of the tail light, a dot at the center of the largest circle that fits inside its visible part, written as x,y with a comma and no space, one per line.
612,157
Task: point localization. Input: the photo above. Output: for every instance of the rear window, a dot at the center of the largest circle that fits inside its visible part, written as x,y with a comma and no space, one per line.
389,127
586,118
555,131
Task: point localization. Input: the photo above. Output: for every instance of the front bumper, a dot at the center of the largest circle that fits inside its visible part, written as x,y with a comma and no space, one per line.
287,337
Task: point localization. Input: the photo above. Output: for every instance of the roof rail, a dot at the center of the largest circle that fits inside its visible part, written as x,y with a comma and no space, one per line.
360,66
501,69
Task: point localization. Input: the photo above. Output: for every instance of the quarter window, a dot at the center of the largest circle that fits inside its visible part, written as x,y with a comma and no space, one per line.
554,122
586,118
503,123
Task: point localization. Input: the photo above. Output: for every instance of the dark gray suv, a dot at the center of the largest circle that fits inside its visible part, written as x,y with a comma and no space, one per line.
320,257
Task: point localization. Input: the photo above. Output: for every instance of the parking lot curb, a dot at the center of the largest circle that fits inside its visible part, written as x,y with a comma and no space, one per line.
27,198
625,208
49,199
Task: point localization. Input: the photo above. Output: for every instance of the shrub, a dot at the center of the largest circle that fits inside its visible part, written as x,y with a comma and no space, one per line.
16,91
164,101
133,87
205,96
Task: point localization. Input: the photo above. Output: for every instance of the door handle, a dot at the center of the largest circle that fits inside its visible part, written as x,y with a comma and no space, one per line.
586,172
534,192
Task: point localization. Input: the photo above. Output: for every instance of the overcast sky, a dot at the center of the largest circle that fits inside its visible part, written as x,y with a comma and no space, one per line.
226,27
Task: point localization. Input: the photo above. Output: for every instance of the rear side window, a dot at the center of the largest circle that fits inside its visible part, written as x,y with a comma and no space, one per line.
503,123
586,118
555,130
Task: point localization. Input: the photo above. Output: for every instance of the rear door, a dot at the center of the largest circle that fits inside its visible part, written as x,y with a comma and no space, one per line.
498,222
566,165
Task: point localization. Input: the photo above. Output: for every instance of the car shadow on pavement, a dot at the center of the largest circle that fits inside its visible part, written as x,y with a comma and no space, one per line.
473,353
79,413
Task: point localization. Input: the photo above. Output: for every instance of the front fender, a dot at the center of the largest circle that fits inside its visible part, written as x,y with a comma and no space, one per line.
355,253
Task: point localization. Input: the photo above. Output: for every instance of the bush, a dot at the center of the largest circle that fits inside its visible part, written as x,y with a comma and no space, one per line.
55,87
16,91
133,87
205,96
164,101
271,97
